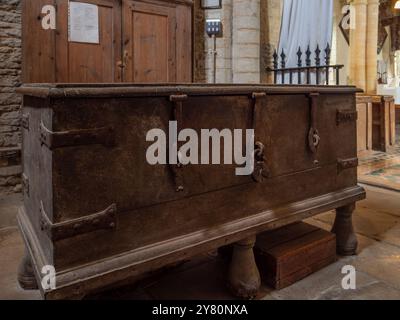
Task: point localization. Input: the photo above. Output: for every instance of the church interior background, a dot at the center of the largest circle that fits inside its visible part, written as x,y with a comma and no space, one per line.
363,50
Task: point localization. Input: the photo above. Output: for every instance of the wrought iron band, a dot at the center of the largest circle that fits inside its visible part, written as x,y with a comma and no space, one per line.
104,220
261,170
53,140
176,170
314,137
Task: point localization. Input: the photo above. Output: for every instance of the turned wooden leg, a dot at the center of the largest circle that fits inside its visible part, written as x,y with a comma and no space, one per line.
346,240
26,277
244,277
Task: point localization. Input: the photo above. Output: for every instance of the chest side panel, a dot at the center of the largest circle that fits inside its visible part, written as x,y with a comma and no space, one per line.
287,122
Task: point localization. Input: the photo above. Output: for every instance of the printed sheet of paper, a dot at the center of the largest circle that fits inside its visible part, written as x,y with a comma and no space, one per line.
83,22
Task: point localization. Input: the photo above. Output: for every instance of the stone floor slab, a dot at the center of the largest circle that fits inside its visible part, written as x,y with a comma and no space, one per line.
11,252
381,200
371,223
326,284
380,260
8,209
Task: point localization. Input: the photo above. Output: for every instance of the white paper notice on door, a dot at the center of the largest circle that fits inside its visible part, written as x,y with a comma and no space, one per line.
83,23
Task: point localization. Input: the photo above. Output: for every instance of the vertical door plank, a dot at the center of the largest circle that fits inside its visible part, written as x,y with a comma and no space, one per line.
184,43
149,42
38,62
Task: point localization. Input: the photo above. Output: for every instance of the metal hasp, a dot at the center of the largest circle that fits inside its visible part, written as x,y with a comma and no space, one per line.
314,138
104,220
176,170
260,167
344,116
313,135
104,136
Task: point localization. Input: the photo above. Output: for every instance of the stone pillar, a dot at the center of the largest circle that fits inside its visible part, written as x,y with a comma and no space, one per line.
358,39
271,17
372,46
246,41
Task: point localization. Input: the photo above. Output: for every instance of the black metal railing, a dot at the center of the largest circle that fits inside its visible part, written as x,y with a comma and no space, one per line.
280,70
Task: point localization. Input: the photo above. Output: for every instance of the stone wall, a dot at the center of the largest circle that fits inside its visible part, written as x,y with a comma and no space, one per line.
250,33
10,70
246,41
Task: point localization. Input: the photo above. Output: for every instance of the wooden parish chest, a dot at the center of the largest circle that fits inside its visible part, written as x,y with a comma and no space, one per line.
291,253
98,212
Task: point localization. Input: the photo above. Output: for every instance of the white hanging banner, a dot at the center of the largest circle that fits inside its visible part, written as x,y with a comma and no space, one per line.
83,23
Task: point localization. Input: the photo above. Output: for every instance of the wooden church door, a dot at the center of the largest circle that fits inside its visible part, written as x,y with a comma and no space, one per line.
149,37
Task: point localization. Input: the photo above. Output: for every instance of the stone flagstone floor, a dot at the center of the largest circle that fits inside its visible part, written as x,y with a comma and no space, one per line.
381,169
377,223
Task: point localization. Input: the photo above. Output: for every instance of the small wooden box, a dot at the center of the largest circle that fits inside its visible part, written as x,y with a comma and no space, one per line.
292,253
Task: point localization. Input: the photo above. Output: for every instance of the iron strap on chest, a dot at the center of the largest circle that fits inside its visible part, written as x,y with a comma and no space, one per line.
261,170
53,140
177,115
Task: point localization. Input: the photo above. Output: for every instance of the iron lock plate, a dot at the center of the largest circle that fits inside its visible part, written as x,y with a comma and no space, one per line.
344,116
